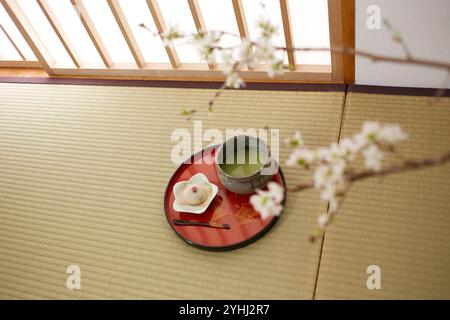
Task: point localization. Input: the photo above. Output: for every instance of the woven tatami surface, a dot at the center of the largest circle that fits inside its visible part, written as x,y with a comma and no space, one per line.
82,177
400,223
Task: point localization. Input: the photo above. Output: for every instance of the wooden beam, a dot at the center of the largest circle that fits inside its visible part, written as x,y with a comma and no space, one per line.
238,8
161,27
200,72
92,32
127,32
335,25
240,19
59,30
13,43
29,34
348,39
199,22
19,64
288,36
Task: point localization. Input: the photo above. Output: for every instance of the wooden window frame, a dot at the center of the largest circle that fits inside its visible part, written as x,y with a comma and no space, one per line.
92,32
12,42
287,28
124,27
200,24
59,31
341,26
161,27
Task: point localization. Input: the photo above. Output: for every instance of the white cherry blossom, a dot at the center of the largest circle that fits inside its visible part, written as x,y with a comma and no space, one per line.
374,132
348,149
321,174
206,44
372,158
264,203
329,192
245,53
321,154
227,65
295,141
264,50
300,157
329,173
331,153
322,220
268,203
275,69
391,134
265,27
333,205
276,191
172,33
369,134
234,80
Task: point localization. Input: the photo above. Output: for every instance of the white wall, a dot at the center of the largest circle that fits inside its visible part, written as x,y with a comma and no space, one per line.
425,27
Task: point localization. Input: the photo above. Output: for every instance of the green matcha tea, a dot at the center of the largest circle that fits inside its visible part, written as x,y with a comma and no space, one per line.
245,164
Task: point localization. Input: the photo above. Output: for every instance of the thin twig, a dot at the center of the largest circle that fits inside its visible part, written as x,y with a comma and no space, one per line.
216,96
221,89
404,166
397,37
375,57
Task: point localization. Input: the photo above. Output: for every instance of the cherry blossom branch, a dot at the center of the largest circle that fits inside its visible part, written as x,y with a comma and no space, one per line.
263,51
406,165
248,52
375,57
409,59
333,166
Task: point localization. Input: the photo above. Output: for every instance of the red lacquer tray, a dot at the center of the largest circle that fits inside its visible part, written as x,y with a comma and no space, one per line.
230,208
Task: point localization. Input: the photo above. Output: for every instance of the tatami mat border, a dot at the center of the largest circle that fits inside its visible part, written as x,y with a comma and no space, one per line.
402,91
270,86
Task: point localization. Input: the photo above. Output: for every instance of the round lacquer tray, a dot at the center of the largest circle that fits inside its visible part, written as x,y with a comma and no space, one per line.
246,226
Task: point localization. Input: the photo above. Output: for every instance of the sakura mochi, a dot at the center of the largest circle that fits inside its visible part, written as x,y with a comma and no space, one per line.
194,195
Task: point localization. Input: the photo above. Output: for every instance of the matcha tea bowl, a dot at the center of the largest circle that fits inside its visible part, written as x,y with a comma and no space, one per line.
244,164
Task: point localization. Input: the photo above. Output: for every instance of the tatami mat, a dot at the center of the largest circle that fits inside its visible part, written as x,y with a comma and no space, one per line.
82,177
400,223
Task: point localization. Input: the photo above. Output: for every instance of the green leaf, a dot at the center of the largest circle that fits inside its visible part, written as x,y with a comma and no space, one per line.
186,112
294,143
